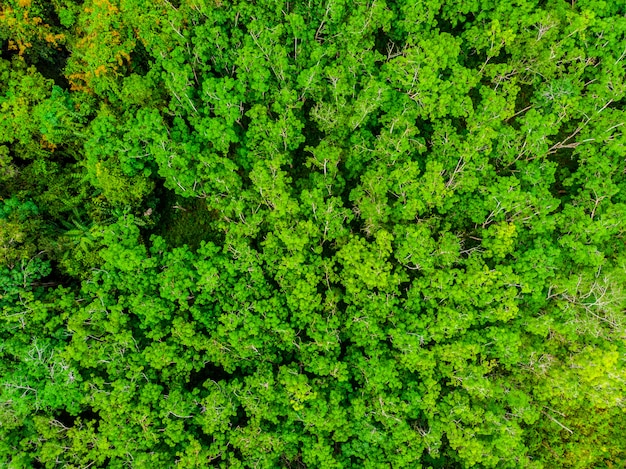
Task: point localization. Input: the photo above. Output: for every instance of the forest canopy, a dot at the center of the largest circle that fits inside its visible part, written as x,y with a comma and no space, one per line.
312,234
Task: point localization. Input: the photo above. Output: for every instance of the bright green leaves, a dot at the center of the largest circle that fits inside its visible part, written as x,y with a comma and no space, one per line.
500,240
114,166
23,90
489,40
370,198
218,408
176,279
123,252
61,122
331,218
225,97
325,158
101,49
18,222
417,70
298,389
269,142
415,249
366,265
324,234
601,369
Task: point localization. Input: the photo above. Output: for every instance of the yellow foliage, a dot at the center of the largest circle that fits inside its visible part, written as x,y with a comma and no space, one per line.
101,70
24,29
121,56
96,29
78,80
107,5
47,144
34,19
23,46
54,38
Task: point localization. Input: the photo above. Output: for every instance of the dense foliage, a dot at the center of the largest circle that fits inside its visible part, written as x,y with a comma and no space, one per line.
312,234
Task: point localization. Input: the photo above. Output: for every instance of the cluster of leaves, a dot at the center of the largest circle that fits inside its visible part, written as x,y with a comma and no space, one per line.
312,234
